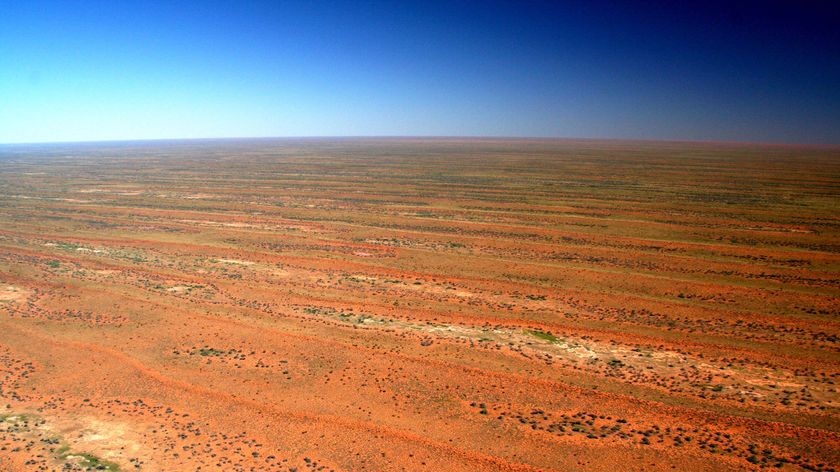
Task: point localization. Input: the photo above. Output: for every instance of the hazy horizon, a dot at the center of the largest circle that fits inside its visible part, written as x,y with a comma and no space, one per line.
752,72
426,138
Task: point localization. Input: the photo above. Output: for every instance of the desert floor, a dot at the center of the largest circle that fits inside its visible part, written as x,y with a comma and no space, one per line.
399,304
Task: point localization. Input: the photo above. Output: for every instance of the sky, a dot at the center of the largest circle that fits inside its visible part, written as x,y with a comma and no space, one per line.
762,71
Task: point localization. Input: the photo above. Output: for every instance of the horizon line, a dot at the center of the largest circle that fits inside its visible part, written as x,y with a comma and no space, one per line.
433,138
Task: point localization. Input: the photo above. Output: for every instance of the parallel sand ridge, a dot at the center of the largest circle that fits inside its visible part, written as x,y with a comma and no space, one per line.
419,305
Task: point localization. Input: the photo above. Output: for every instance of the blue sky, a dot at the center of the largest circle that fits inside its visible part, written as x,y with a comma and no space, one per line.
755,71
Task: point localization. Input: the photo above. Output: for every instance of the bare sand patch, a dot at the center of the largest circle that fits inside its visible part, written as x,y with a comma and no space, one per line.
11,293
234,261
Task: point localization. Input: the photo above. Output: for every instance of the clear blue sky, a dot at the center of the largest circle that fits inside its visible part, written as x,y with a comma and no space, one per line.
758,71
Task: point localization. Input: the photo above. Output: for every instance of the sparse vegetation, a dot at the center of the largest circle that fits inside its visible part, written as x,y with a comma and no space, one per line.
545,336
670,302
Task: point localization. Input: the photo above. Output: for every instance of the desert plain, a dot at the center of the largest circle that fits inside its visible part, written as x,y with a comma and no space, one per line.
419,304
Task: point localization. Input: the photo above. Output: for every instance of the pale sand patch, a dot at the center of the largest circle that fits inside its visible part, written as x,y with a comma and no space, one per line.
84,249
109,440
364,277
74,200
10,293
777,383
234,261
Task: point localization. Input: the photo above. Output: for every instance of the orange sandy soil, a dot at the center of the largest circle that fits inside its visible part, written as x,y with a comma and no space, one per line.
419,305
